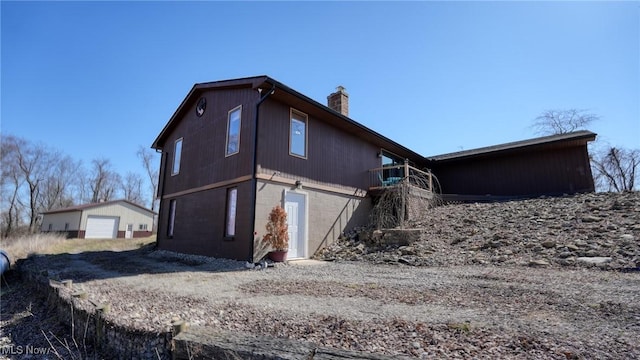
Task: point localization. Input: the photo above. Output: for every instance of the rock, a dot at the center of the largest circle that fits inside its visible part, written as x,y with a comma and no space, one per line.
407,250
627,237
590,219
549,244
564,254
405,260
592,253
395,237
538,262
593,259
568,261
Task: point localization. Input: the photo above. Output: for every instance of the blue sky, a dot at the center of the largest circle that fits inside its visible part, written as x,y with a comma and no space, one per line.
99,79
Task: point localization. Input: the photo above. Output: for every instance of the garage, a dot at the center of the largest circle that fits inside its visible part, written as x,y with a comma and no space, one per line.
103,220
102,227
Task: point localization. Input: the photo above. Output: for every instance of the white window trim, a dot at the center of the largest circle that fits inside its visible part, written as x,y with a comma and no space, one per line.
306,132
232,212
172,217
226,147
175,171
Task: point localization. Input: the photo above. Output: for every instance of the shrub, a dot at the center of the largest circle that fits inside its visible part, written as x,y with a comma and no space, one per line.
277,229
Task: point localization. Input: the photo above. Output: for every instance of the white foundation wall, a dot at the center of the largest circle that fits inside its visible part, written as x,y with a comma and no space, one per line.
329,213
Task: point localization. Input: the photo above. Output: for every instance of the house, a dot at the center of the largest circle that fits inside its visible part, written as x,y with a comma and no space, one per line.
104,220
236,148
550,165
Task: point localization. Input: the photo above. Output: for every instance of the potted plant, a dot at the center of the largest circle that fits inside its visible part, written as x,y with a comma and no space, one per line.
277,234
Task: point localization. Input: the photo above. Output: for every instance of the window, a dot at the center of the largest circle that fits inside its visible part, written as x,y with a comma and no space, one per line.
142,227
172,217
233,131
66,226
232,201
177,153
298,134
50,227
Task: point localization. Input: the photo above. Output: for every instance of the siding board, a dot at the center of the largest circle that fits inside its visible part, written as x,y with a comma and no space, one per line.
333,155
551,171
200,224
203,158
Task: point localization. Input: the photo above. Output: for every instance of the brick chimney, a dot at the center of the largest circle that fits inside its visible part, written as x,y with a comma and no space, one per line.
339,101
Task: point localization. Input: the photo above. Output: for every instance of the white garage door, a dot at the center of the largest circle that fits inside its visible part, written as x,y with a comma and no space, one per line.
101,227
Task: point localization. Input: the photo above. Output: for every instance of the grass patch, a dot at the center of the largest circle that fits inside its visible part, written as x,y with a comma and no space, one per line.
23,246
89,245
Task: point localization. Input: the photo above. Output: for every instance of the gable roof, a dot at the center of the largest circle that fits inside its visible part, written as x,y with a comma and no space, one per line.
95,205
568,139
286,94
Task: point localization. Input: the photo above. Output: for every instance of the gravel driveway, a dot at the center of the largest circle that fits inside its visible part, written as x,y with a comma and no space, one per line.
479,311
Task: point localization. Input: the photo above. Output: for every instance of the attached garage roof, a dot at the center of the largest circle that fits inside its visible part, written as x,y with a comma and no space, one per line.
568,139
96,205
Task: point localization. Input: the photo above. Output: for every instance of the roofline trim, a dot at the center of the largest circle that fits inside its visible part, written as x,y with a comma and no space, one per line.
576,135
256,82
82,207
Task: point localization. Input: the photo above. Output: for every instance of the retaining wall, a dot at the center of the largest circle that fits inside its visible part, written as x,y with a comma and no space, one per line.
89,325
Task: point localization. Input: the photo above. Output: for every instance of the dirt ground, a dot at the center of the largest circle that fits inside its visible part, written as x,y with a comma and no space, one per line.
479,311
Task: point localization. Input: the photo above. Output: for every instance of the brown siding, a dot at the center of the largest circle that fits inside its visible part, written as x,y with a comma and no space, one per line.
528,173
200,223
203,160
333,156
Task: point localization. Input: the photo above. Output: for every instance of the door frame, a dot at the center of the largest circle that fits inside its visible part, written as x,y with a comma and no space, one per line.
305,219
128,234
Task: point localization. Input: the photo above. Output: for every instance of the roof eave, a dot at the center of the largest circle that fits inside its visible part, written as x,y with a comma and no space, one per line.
383,139
583,135
198,88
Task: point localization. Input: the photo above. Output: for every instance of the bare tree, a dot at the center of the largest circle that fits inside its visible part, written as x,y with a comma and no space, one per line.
28,165
10,184
132,188
58,183
615,169
151,166
105,182
552,122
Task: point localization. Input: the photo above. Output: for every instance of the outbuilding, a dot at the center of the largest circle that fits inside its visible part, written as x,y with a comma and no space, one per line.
104,220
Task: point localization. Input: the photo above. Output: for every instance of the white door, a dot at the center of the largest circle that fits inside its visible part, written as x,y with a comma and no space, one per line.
101,227
296,221
129,233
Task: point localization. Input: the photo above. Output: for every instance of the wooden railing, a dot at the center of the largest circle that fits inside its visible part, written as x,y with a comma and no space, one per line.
391,175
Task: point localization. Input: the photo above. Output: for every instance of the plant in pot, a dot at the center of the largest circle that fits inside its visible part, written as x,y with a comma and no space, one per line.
277,234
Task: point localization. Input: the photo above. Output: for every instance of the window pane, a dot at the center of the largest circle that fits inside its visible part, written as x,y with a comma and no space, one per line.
298,136
172,217
232,199
177,154
233,131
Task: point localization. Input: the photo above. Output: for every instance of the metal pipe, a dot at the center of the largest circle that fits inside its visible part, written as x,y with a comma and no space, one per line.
254,178
5,264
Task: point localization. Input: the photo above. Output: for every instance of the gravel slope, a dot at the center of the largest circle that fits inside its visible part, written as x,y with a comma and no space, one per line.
601,230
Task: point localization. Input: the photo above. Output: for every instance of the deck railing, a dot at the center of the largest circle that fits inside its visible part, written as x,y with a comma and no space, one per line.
391,175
